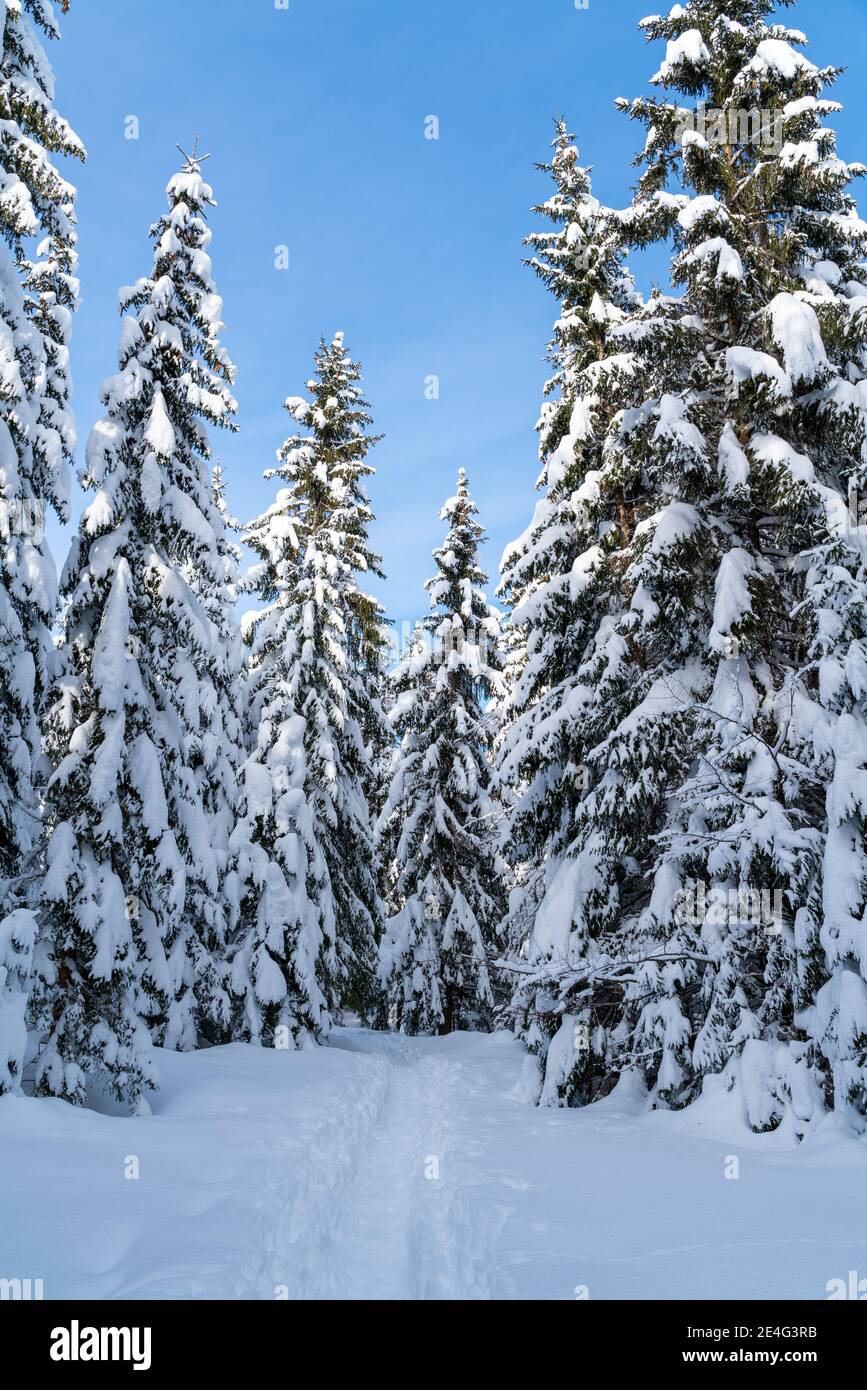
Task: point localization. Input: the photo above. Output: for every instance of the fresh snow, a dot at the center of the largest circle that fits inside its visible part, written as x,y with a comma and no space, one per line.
745,364
688,48
798,335
385,1167
625,820
777,56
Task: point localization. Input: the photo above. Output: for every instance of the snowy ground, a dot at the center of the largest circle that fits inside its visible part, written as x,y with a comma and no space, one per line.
384,1167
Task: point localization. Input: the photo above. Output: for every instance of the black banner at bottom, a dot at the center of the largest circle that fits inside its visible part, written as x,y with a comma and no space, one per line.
153,1338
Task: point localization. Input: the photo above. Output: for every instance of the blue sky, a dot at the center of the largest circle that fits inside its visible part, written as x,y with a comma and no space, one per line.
315,119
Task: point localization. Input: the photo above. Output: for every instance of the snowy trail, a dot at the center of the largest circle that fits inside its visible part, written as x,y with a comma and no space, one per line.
449,1187
384,1224
390,1232
415,1169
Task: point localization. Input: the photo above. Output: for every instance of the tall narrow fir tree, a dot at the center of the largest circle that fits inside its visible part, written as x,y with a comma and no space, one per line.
131,899
309,905
438,820
38,293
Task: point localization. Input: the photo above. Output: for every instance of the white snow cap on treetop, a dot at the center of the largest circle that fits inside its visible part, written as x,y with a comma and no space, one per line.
338,340
189,185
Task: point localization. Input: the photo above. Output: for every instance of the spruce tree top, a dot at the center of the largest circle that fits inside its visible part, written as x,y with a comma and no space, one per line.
174,380
326,472
769,201
465,622
438,808
311,648
579,259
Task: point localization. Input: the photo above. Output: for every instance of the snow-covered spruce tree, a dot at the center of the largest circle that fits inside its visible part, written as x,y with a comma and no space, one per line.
725,728
561,580
131,899
309,906
219,748
37,295
448,881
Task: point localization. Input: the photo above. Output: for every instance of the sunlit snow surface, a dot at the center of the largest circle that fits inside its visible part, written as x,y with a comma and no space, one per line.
383,1167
